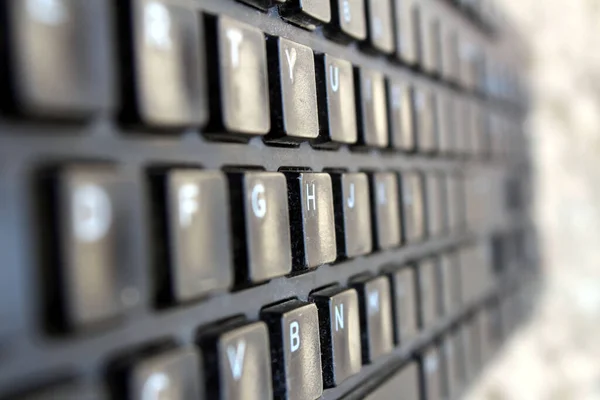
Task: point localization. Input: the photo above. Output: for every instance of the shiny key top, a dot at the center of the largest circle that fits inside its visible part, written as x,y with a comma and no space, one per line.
428,292
348,20
400,105
237,360
312,219
406,30
380,25
340,333
294,92
413,206
404,302
425,123
59,57
372,111
403,385
376,322
166,62
195,227
386,209
262,227
306,13
435,198
431,365
175,375
238,80
352,214
337,107
294,333
90,282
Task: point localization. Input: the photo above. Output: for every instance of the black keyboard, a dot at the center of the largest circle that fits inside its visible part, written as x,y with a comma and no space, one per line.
301,199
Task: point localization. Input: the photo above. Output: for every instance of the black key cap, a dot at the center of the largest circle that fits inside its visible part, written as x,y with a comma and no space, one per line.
404,383
59,56
260,212
243,356
450,280
306,13
432,376
428,292
294,92
337,108
380,25
352,214
436,203
340,333
196,228
312,219
425,124
386,213
371,105
456,202
400,104
294,332
175,374
263,4
348,19
166,85
88,215
413,206
67,391
406,31
238,78
405,305
375,317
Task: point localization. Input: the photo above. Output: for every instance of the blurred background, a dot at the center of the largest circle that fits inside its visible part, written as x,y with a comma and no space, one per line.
556,353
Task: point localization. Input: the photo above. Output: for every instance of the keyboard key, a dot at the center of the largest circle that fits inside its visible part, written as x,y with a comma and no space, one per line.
380,25
197,231
294,333
413,206
306,13
430,41
375,317
455,193
386,213
450,279
263,4
450,60
401,115
436,203
238,76
444,109
166,57
428,292
404,383
241,352
59,56
405,305
432,374
340,333
260,213
88,213
294,92
312,219
406,13
373,123
425,123
337,108
175,375
352,213
449,354
348,20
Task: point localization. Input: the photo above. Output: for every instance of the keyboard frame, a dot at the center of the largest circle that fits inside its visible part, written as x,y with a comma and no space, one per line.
32,357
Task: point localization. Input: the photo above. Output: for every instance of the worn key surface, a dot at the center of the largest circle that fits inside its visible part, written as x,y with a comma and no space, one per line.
60,57
380,25
259,209
340,333
348,20
371,105
403,385
164,59
352,214
401,120
196,226
404,304
296,350
386,209
294,92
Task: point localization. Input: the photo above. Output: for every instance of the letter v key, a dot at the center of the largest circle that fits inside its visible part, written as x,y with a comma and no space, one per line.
236,359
